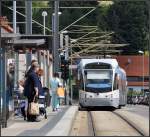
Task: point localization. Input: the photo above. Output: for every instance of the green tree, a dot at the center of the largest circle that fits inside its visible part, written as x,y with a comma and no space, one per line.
130,21
37,15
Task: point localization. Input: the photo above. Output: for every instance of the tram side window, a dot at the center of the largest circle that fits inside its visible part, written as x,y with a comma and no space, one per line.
116,84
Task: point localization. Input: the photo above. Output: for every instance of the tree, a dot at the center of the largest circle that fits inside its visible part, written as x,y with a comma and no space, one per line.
37,15
130,21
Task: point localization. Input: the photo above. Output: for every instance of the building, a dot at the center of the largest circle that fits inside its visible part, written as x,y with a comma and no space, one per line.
137,68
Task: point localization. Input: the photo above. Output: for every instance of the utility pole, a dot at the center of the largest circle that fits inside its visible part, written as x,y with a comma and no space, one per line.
56,37
3,78
16,54
66,58
148,6
71,74
28,5
0,75
61,40
14,16
148,3
3,119
66,47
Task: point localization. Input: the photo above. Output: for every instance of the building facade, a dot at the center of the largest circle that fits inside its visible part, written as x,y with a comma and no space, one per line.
137,69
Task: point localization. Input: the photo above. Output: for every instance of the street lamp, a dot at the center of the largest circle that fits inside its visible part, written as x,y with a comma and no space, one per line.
141,52
44,14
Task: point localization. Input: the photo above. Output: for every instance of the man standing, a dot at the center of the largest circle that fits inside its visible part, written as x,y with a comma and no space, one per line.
31,89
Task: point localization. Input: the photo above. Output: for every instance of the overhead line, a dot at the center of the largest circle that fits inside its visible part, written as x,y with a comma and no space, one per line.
81,0
84,26
82,29
22,7
86,35
79,19
99,37
25,17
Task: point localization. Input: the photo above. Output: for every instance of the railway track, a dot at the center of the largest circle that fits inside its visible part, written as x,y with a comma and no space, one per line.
103,123
122,122
129,124
91,123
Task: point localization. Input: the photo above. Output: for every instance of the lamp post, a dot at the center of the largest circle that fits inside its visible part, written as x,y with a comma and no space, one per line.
141,52
44,14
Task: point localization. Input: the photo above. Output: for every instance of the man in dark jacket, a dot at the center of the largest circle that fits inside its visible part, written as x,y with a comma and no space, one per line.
31,88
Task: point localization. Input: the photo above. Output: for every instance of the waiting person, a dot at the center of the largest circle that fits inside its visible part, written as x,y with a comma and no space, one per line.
31,89
60,93
54,82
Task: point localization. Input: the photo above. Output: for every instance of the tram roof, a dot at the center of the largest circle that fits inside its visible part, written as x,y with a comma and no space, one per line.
112,62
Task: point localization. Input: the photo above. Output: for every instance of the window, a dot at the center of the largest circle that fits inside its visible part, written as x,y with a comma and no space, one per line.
116,82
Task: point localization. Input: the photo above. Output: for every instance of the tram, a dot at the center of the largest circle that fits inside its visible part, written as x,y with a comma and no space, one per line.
102,82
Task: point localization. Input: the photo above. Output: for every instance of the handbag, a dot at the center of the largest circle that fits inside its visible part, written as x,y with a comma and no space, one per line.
33,108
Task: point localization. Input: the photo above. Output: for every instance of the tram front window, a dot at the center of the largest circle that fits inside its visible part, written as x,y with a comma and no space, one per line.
99,81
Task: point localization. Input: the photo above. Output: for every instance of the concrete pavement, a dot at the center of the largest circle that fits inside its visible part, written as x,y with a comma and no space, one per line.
139,122
141,110
63,127
56,121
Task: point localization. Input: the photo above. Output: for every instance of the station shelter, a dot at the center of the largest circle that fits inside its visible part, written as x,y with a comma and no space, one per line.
16,52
